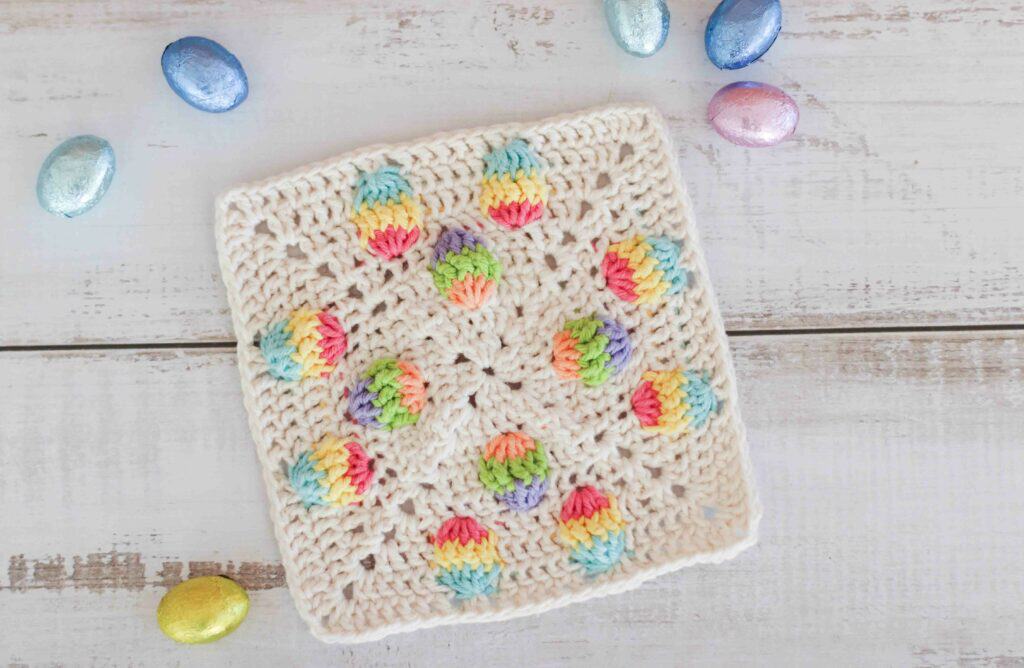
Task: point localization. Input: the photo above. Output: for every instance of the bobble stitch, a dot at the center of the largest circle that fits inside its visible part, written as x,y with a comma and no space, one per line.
306,345
513,192
464,270
336,472
466,558
592,528
386,212
644,269
515,468
592,349
667,402
389,395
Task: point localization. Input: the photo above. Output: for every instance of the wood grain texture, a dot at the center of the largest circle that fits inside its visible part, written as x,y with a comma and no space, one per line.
897,203
889,467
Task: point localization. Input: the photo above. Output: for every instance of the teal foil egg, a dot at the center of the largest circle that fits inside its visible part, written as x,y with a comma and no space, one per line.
205,74
741,31
75,176
639,26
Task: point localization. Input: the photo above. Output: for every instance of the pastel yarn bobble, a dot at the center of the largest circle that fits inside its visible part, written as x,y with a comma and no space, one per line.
306,345
389,395
591,349
336,472
466,558
464,270
592,528
386,212
515,468
667,402
513,192
643,269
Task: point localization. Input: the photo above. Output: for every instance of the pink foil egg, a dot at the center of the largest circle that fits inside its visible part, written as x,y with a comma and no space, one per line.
749,113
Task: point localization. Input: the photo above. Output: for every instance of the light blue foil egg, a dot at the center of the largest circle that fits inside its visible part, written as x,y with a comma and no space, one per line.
741,31
205,74
75,176
639,26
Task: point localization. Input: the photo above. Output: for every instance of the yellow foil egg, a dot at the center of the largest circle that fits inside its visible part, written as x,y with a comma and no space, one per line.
202,609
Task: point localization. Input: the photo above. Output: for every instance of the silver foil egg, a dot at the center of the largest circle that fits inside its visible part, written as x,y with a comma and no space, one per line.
75,176
639,26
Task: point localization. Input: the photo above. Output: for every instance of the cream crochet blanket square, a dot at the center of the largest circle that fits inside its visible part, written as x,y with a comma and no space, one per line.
362,570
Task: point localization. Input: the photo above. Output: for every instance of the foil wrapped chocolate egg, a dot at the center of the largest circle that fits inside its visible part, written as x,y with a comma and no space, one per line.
748,113
205,74
741,31
75,176
202,609
640,27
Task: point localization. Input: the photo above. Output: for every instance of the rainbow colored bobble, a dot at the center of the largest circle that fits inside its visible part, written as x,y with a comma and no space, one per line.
386,212
464,271
466,558
513,191
307,345
515,468
389,395
591,349
667,402
337,472
592,528
644,269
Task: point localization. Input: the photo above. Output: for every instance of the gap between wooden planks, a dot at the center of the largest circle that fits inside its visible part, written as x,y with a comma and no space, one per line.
889,467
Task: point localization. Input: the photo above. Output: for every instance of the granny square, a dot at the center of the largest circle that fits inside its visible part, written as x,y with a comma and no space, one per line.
485,373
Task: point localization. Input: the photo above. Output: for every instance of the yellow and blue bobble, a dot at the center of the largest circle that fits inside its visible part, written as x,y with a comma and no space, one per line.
593,529
667,402
386,212
337,472
466,558
513,192
306,345
644,269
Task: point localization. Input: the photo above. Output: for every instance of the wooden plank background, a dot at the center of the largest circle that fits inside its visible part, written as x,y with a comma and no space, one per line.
890,463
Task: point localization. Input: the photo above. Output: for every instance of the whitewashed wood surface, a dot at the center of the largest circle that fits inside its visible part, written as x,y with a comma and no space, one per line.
890,463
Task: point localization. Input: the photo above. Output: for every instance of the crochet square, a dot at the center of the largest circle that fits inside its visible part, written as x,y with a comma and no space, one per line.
485,373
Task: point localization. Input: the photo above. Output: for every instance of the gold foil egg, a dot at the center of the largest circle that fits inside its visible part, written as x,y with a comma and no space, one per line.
202,609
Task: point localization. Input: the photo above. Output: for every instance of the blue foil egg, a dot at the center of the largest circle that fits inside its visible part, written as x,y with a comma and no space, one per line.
639,26
75,176
205,74
741,31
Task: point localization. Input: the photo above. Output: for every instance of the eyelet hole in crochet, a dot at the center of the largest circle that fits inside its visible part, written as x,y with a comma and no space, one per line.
293,251
603,181
625,151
